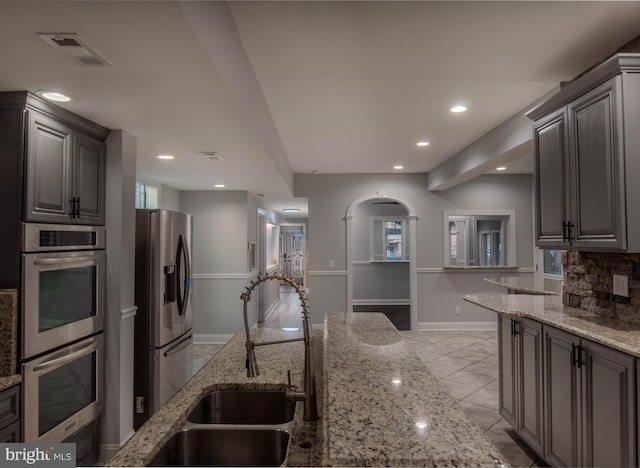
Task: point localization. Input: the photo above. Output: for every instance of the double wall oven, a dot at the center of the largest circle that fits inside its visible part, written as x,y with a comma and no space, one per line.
62,321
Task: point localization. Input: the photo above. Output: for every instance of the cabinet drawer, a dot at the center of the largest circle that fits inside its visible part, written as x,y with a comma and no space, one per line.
9,406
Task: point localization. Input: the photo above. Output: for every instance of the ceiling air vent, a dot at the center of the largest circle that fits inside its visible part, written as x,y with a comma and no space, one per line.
213,155
72,44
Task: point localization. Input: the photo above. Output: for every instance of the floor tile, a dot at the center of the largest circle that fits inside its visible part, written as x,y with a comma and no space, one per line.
457,390
484,397
514,451
475,379
484,417
452,361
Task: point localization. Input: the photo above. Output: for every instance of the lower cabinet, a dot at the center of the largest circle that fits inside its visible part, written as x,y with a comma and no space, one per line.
589,403
87,442
521,378
10,415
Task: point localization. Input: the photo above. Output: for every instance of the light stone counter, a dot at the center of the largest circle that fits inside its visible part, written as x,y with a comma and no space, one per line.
528,284
227,370
384,408
617,334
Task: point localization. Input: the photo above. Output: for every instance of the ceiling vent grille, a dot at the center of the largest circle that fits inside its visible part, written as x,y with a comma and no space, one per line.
213,155
73,45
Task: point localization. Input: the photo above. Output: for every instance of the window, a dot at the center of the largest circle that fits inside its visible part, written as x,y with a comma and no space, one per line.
479,239
146,196
553,262
388,239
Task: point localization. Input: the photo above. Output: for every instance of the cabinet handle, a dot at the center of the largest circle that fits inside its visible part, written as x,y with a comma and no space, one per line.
569,231
514,327
564,232
75,207
576,351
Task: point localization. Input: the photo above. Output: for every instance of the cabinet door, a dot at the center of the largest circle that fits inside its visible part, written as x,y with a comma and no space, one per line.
551,182
560,398
507,362
597,164
530,381
48,170
608,406
89,178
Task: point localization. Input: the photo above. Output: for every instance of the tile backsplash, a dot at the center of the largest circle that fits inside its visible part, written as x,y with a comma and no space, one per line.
588,283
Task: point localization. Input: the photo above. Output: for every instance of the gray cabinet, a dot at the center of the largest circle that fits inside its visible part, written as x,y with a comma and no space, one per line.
65,173
589,403
10,415
585,161
54,167
520,367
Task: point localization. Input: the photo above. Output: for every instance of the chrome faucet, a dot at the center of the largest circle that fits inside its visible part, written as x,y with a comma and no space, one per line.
309,393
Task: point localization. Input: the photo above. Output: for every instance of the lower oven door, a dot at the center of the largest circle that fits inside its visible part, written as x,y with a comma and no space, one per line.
63,391
62,300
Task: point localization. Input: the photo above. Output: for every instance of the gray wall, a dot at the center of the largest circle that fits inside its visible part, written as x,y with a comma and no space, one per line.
224,222
439,291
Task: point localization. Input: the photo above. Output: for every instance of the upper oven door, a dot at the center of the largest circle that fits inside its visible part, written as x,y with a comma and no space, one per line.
63,298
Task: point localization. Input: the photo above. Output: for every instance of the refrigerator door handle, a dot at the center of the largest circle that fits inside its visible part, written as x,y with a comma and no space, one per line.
180,345
183,254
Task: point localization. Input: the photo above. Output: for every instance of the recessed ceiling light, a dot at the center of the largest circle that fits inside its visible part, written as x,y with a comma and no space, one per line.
422,143
165,156
290,210
457,109
54,96
501,168
397,168
219,186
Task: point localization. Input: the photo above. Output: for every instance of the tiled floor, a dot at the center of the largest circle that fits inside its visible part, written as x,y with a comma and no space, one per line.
466,363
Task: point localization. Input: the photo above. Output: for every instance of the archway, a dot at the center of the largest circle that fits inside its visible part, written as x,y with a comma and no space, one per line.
411,227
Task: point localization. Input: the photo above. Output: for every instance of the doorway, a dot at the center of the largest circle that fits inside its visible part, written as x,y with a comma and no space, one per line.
354,237
293,252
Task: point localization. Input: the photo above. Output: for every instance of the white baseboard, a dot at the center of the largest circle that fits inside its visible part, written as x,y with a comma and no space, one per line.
432,326
212,339
109,450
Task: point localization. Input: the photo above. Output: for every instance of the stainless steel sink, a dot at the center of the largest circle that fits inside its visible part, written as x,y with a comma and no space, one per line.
223,447
243,407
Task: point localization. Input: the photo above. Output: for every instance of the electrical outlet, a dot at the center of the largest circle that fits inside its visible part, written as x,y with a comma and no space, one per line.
457,310
621,285
331,263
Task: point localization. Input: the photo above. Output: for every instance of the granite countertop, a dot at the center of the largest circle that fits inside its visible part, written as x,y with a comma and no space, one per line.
528,284
8,332
384,408
227,370
9,381
617,334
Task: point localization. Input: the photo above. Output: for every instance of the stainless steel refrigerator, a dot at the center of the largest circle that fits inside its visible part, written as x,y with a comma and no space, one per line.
163,341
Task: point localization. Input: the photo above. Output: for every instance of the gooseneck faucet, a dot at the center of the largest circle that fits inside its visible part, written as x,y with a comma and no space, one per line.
309,393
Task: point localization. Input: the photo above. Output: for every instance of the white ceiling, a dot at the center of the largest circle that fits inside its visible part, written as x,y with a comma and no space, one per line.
286,87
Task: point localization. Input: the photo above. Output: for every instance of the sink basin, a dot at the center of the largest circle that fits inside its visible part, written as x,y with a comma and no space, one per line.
223,447
243,407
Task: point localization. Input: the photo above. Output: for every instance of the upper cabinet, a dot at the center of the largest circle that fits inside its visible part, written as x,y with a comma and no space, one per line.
586,154
63,159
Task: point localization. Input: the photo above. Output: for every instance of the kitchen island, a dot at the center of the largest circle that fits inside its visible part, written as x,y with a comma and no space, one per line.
378,403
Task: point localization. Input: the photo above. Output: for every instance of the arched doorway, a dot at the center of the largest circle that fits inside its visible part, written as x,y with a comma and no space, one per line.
410,220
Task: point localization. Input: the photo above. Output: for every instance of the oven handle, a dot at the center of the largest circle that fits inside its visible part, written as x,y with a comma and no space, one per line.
62,360
179,345
59,260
